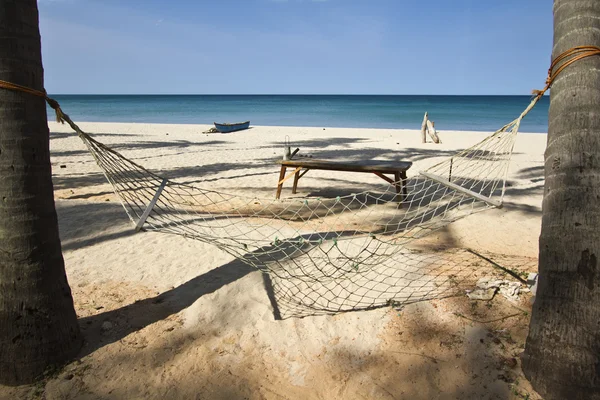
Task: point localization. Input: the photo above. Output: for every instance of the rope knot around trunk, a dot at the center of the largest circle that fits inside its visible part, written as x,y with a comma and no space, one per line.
60,115
563,61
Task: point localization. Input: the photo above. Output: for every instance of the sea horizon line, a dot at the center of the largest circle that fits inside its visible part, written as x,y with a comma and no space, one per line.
286,94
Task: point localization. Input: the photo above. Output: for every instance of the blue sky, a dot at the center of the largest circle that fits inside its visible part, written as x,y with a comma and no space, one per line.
295,46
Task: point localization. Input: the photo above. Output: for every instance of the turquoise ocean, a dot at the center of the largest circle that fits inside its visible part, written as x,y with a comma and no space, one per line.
472,113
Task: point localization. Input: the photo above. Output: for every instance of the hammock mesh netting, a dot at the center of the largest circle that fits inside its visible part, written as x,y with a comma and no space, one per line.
330,254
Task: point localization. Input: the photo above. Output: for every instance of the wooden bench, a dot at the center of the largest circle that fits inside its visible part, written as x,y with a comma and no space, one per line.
380,168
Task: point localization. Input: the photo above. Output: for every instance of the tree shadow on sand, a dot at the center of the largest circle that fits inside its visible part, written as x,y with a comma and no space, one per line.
424,352
140,314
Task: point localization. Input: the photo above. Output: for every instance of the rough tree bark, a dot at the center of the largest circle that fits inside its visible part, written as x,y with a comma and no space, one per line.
562,354
38,325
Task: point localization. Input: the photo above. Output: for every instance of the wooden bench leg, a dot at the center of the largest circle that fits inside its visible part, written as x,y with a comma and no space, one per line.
296,178
397,182
280,182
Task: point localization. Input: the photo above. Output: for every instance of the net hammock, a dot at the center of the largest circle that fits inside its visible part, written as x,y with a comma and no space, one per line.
329,254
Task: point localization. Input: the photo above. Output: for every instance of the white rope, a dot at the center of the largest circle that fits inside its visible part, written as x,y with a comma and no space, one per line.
341,253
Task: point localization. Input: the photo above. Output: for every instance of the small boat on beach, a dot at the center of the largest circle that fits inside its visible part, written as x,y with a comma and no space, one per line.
238,126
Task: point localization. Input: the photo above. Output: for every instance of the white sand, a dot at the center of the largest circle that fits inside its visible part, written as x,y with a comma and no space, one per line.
211,332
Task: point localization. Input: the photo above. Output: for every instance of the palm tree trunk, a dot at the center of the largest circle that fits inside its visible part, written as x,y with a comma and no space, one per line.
38,325
562,354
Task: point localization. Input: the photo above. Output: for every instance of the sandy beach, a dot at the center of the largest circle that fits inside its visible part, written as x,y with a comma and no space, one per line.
168,317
